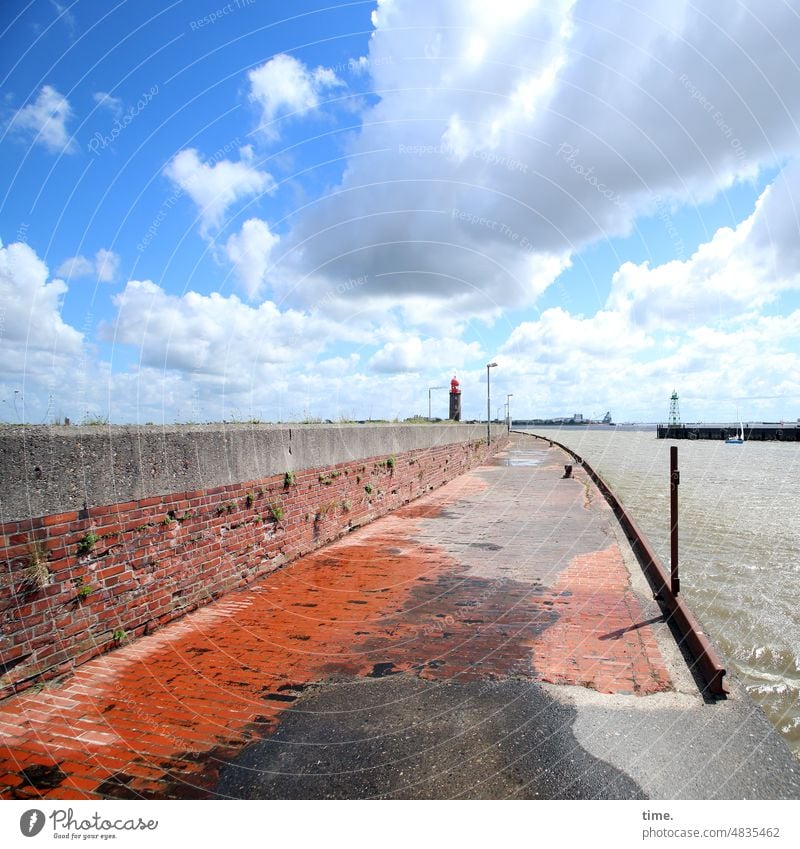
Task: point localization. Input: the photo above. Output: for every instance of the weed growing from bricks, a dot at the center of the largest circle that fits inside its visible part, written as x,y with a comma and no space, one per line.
37,575
87,543
83,590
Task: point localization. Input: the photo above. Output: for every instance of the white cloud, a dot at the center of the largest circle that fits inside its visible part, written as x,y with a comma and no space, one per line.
75,267
32,305
66,17
108,101
697,325
738,271
337,366
214,334
714,369
413,354
558,337
41,354
249,251
215,186
776,225
475,103
752,366
104,267
498,142
45,121
285,86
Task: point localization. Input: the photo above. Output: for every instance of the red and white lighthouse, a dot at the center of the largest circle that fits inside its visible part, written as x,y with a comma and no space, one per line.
455,400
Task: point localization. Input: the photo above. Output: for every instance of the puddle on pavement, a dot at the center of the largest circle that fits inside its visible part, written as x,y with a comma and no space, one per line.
521,458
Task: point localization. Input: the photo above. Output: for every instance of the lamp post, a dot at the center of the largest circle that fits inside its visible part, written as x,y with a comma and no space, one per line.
508,410
489,405
430,389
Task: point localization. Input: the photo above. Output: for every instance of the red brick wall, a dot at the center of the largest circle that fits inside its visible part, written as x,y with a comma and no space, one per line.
144,563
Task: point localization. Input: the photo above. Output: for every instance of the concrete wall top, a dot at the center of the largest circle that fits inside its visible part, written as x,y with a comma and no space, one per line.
46,470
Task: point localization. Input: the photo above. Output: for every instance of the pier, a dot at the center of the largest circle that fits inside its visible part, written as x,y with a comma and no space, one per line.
760,432
494,638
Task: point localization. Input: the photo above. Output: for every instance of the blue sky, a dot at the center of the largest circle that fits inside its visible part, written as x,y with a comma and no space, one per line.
223,210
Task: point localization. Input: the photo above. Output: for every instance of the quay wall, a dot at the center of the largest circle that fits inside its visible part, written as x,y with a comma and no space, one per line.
107,533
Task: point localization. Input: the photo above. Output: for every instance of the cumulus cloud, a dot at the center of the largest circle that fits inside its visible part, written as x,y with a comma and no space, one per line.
698,324
750,364
738,271
75,267
776,225
249,251
32,306
45,121
557,336
499,141
40,352
216,186
413,354
104,266
213,334
284,86
508,136
335,366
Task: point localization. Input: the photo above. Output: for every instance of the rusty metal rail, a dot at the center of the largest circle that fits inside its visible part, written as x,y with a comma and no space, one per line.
707,660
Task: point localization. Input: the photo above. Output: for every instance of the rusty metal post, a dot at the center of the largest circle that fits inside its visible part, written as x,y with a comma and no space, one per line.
674,481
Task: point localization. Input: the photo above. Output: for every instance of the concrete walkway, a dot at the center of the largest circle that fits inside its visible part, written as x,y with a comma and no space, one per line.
492,640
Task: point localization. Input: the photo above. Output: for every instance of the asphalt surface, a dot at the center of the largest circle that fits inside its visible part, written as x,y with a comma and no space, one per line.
399,737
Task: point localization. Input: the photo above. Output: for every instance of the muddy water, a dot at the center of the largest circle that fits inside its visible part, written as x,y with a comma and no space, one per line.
739,543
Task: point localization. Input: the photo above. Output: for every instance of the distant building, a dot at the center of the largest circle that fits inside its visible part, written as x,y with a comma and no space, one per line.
574,419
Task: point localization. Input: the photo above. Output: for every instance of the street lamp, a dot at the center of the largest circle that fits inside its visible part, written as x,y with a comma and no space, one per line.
489,405
430,389
508,410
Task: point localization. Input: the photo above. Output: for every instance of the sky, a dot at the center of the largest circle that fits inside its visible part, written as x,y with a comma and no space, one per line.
260,210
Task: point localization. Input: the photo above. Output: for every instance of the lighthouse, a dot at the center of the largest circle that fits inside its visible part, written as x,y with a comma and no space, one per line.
455,401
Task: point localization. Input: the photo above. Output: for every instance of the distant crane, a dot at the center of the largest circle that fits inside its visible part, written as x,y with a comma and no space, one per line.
674,410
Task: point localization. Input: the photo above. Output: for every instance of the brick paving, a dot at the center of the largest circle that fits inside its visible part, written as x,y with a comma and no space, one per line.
508,572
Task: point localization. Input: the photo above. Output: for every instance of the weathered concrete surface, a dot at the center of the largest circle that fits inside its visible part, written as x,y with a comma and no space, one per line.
46,470
491,640
404,738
